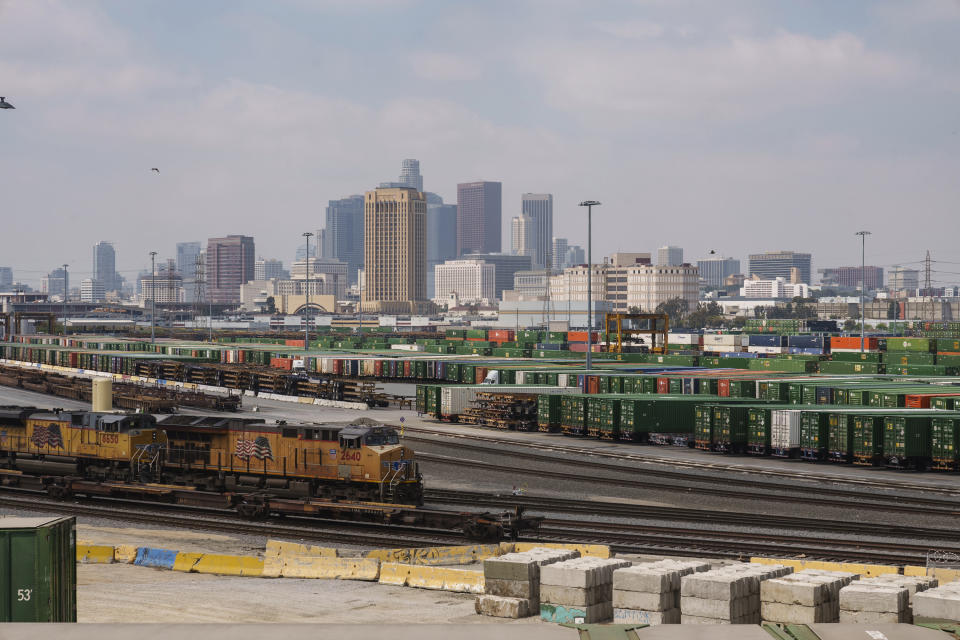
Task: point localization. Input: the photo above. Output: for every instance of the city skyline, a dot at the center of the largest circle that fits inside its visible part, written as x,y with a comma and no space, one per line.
820,113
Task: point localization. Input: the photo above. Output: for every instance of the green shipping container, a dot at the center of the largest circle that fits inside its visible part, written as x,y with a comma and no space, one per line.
910,344
814,435
758,435
906,440
703,426
840,447
730,426
945,443
38,569
548,412
867,439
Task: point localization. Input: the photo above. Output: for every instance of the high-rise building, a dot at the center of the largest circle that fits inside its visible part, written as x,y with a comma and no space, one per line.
521,236
904,279
778,264
441,235
559,253
410,174
6,278
92,290
575,256
55,283
506,266
105,266
342,237
670,256
715,270
301,253
470,280
478,217
230,263
623,286
269,269
395,251
166,286
188,253
539,208
849,277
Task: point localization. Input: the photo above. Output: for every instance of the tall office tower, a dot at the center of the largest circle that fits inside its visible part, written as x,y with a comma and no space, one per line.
441,235
105,265
395,251
342,237
715,269
269,269
301,253
6,278
91,290
521,237
559,253
539,208
230,263
410,174
55,283
778,264
904,279
670,256
187,254
478,217
850,277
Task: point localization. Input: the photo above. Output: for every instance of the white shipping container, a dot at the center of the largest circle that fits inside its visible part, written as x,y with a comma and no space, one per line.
408,347
723,348
453,400
785,429
766,350
683,338
722,339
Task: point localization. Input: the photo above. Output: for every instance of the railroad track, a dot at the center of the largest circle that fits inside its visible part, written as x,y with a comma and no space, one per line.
547,505
662,480
569,447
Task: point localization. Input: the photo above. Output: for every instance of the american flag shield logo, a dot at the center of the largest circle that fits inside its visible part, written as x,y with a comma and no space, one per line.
47,436
259,449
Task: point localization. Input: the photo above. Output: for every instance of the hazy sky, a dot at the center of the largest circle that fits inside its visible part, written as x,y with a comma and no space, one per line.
739,126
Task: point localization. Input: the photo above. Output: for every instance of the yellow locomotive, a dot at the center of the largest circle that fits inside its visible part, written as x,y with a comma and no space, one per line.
102,446
358,461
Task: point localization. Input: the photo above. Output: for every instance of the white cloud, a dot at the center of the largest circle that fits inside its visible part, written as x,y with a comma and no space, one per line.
432,65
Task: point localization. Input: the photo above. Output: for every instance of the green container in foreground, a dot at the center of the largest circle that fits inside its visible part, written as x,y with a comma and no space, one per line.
38,569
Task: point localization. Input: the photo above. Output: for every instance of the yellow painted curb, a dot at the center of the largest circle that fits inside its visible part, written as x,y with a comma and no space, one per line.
125,553
186,561
229,565
94,554
331,568
394,573
864,570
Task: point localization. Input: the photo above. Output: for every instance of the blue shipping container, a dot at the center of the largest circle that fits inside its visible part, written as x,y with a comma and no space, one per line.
806,342
765,340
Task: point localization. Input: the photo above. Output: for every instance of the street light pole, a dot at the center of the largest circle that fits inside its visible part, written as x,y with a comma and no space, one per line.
306,328
589,204
153,297
66,291
863,281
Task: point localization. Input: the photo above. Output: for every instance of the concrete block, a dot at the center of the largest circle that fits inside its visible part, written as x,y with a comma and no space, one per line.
688,619
787,591
663,601
711,608
574,596
635,616
499,607
874,597
581,573
525,565
795,613
714,585
871,617
647,580
512,588
569,615
942,603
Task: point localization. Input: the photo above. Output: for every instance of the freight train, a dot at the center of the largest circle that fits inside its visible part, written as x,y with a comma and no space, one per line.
356,461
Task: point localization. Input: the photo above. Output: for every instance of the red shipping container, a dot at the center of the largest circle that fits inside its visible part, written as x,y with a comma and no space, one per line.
922,400
481,374
593,384
500,335
293,343
241,356
663,385
378,368
338,367
407,366
581,347
723,388
870,344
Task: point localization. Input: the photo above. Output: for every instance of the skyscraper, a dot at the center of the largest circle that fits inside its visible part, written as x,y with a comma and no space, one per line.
521,237
441,235
669,256
778,264
395,251
230,263
105,265
410,174
342,237
6,278
539,208
268,269
478,217
715,270
187,255
559,253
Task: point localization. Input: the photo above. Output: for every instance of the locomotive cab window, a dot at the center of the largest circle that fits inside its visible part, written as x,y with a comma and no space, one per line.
350,442
381,439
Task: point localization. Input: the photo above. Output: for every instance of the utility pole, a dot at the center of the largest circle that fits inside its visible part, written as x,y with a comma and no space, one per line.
66,292
153,297
306,329
863,282
589,204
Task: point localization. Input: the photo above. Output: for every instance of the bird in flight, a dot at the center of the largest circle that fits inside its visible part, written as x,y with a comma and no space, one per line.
155,169
4,104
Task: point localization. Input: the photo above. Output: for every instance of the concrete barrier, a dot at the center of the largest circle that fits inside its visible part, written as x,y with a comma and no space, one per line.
437,556
125,553
330,568
277,551
186,561
94,554
864,570
228,565
427,577
943,576
394,573
586,550
157,558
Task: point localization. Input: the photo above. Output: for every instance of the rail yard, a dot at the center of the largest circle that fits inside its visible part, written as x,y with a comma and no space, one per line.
645,456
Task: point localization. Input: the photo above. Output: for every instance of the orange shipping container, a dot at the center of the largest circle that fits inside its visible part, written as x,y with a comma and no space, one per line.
581,336
293,343
870,344
922,400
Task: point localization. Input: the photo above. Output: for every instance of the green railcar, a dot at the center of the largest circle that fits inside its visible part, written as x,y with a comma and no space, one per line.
868,439
840,445
945,443
573,414
730,426
758,435
906,441
548,413
703,426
